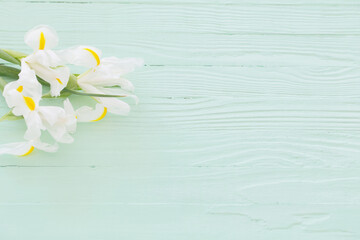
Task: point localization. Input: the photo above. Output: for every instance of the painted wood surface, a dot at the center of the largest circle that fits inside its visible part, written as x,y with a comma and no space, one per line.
247,127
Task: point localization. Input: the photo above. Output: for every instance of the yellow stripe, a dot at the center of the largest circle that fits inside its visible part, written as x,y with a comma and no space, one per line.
58,79
30,103
102,115
20,89
42,41
28,152
94,54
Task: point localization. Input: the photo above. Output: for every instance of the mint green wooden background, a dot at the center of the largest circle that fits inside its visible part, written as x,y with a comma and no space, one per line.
248,125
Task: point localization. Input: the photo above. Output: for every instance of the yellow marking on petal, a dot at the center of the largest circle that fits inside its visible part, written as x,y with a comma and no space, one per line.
28,152
30,103
20,89
102,115
42,41
58,79
94,55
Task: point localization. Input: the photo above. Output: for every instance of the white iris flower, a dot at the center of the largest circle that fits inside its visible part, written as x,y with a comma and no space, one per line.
103,73
103,81
45,62
23,96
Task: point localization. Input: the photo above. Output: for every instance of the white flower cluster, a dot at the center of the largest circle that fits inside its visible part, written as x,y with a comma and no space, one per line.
24,95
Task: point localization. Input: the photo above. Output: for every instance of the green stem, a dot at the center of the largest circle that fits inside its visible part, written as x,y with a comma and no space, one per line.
92,94
2,84
7,57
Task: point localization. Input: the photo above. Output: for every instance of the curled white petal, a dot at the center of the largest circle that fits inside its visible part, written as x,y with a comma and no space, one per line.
24,94
115,106
105,80
110,73
46,147
17,148
51,114
71,118
69,109
45,62
34,125
120,66
47,58
25,148
54,120
27,79
86,56
88,114
15,100
120,92
57,77
41,37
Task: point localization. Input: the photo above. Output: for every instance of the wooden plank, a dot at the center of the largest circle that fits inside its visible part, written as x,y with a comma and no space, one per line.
195,101
222,2
215,150
298,106
132,221
177,135
188,185
226,113
222,19
215,81
213,49
155,202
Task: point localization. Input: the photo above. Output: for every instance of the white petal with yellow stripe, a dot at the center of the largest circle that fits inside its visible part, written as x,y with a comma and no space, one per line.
85,56
23,97
41,37
106,104
24,94
22,149
88,114
45,62
57,77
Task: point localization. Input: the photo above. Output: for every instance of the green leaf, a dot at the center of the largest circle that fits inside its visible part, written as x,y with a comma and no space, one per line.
10,117
7,57
15,54
72,83
9,71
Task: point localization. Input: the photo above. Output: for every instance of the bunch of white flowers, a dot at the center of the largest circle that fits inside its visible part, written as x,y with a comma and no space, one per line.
48,67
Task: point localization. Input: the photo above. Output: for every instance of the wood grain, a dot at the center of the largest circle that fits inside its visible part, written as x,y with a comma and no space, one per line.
200,132
164,200
232,2
247,82
247,127
194,19
221,50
